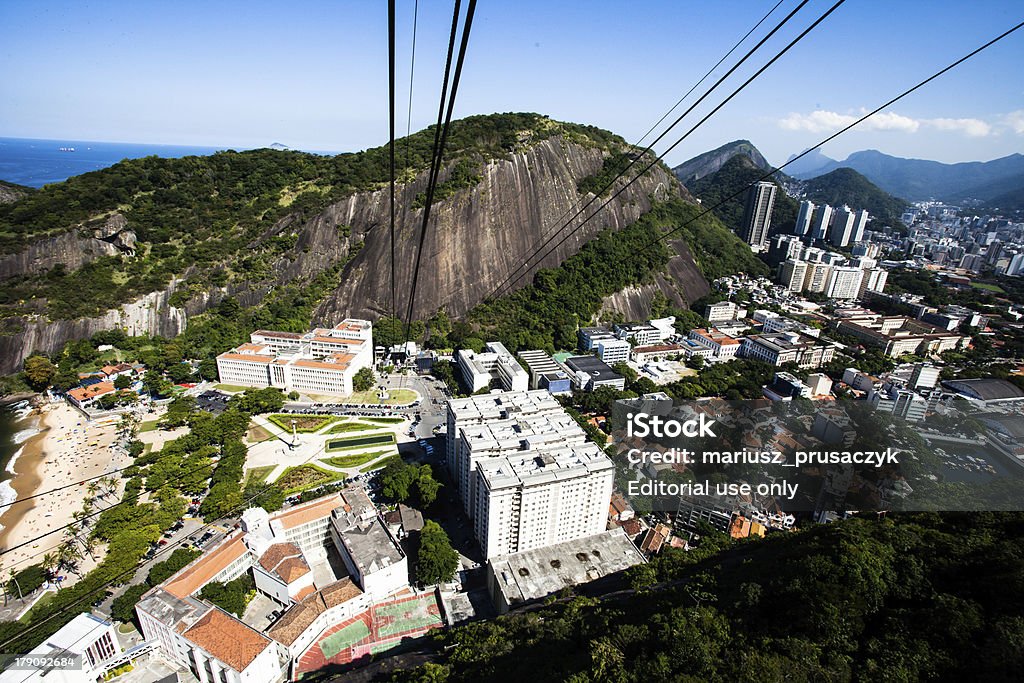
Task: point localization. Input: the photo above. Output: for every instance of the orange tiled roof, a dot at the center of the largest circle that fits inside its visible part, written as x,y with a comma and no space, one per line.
301,514
298,618
338,340
246,357
108,369
199,573
285,560
85,393
227,639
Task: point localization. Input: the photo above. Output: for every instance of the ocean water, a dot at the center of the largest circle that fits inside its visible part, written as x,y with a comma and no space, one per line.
16,427
39,162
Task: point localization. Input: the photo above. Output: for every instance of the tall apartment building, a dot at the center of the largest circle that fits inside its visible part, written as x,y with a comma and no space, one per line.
757,217
860,224
496,363
540,497
322,361
844,282
873,281
526,474
843,220
792,275
804,217
822,221
817,277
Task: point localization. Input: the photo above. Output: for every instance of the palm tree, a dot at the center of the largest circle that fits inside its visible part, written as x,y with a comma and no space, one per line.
49,564
92,488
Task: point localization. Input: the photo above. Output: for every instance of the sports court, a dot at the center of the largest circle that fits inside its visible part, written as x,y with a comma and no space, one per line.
380,628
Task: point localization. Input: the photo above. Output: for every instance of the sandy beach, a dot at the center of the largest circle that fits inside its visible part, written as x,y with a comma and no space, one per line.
68,448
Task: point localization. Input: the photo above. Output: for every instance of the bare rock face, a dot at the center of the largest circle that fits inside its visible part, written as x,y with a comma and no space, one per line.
480,235
475,239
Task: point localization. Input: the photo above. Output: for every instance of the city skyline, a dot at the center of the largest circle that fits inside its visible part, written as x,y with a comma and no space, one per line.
230,76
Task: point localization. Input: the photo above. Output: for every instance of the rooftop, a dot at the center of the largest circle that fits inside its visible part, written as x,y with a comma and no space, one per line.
593,366
205,568
285,560
300,615
227,639
368,542
534,574
987,389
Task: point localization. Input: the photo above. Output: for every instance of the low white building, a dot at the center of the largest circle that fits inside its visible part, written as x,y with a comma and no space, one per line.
90,641
497,364
323,361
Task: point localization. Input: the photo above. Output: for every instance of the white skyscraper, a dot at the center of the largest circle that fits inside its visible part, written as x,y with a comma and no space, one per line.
757,218
860,224
792,275
842,226
803,219
525,471
844,282
822,220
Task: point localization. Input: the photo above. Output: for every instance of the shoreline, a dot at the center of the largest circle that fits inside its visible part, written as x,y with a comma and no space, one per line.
67,448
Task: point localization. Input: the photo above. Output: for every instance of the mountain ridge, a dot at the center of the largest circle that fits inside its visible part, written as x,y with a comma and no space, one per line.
923,179
243,225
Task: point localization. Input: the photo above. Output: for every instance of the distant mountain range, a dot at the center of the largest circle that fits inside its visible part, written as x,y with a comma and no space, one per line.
998,183
715,176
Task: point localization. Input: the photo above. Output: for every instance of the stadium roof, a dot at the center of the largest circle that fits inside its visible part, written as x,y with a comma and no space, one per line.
988,389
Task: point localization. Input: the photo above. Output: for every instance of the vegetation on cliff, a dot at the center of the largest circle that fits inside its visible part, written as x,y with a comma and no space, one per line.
218,219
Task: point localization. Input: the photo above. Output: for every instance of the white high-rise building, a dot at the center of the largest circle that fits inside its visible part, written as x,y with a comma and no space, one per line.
539,497
842,226
757,218
526,473
874,280
816,277
822,221
792,275
860,224
844,282
804,218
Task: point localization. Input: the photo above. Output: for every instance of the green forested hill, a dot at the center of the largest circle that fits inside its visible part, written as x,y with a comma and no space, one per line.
847,186
917,598
215,215
736,174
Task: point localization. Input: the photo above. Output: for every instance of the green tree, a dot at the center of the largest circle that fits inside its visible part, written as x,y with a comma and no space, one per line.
122,382
364,380
437,561
39,372
123,607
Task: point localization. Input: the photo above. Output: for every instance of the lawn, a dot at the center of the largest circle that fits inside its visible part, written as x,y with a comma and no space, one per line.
346,427
360,442
988,287
302,477
232,388
304,424
257,475
257,434
148,426
354,460
384,420
396,397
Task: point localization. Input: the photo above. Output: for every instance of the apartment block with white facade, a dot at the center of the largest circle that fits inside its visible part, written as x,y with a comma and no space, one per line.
539,497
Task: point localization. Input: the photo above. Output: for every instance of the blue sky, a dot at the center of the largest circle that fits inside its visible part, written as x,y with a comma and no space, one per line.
313,75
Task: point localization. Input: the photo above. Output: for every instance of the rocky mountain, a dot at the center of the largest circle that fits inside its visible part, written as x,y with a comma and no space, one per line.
920,179
711,162
10,192
148,244
846,186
